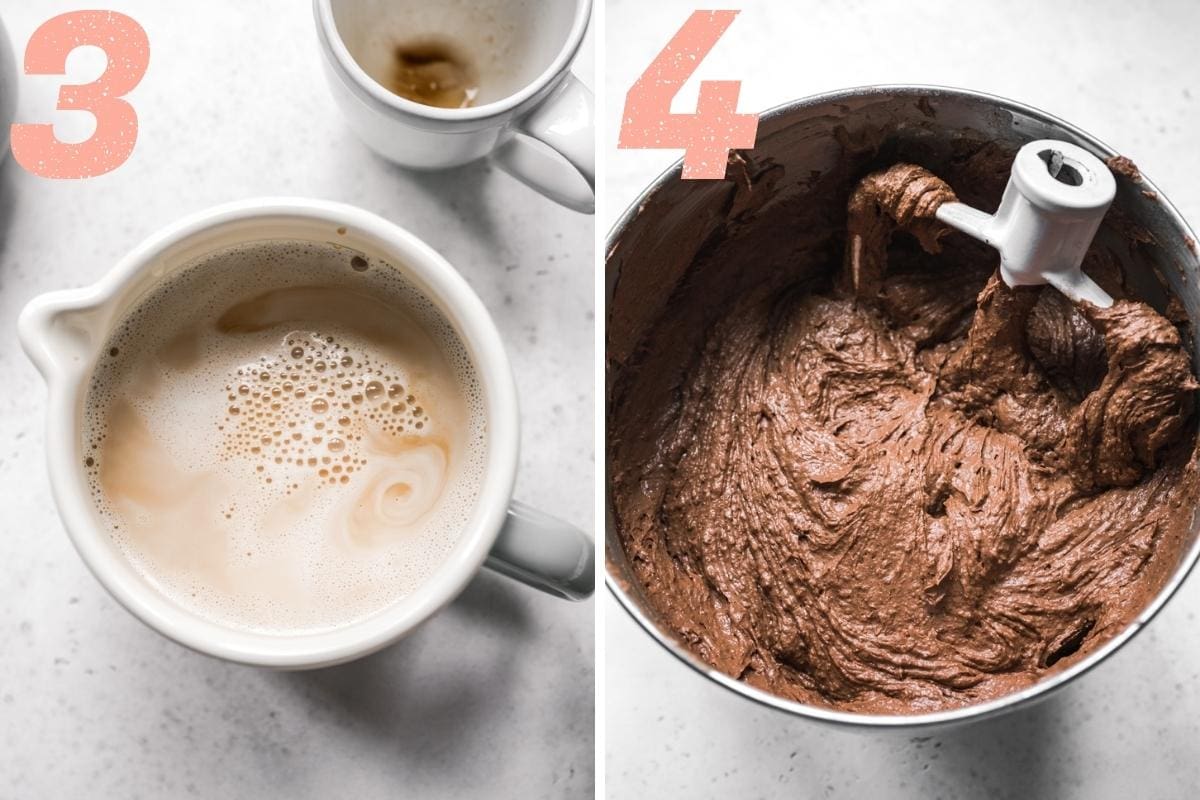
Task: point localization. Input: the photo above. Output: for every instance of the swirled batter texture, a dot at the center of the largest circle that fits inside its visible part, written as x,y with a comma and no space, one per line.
892,494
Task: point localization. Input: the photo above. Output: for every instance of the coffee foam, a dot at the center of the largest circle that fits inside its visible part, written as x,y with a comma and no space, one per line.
285,436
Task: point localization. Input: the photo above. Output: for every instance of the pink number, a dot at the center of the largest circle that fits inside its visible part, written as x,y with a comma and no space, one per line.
128,50
716,128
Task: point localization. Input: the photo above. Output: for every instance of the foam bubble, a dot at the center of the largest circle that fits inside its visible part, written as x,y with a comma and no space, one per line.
283,441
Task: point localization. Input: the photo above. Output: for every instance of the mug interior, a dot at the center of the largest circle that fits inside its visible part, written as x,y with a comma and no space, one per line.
509,43
94,313
652,248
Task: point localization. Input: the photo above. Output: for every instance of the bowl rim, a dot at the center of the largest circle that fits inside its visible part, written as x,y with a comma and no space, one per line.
854,720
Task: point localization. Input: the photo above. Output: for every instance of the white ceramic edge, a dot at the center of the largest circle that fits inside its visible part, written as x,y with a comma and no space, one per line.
482,116
904,722
67,388
8,83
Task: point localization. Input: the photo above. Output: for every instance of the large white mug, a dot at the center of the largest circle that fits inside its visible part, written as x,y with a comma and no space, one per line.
533,117
64,332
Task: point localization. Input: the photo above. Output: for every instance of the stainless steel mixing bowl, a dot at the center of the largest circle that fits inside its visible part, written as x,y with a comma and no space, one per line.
803,138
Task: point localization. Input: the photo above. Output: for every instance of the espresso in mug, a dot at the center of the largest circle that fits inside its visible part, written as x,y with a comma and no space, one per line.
435,72
453,54
285,436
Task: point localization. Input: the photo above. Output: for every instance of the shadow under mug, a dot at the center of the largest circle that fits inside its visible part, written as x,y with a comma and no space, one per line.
63,333
534,118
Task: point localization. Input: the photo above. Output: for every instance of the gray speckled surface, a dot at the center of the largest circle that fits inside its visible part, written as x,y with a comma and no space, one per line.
1125,72
494,697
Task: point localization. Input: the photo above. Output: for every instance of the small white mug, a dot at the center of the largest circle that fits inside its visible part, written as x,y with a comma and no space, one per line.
524,49
64,332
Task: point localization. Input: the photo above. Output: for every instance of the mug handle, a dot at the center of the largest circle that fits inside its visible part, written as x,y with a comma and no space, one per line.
564,122
545,553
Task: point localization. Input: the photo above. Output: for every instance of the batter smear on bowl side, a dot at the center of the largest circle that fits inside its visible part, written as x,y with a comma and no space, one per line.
902,486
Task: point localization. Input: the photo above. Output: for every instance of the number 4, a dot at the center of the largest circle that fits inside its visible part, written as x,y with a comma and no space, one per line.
716,128
128,50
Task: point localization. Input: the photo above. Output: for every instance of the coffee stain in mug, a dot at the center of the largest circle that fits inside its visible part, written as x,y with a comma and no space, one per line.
434,72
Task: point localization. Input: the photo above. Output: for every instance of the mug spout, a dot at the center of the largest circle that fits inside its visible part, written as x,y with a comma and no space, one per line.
55,331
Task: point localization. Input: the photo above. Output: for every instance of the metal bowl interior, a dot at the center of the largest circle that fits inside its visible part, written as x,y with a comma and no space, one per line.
805,138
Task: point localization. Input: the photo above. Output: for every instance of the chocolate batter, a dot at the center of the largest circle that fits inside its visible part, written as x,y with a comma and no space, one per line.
903,486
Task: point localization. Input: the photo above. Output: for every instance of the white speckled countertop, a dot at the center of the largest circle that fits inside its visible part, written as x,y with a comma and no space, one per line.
1125,72
493,697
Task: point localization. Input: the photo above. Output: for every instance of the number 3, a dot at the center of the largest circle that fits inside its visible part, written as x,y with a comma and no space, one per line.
124,42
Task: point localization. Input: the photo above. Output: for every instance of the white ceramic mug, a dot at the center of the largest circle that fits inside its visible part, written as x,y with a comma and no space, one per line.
524,50
8,90
64,332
